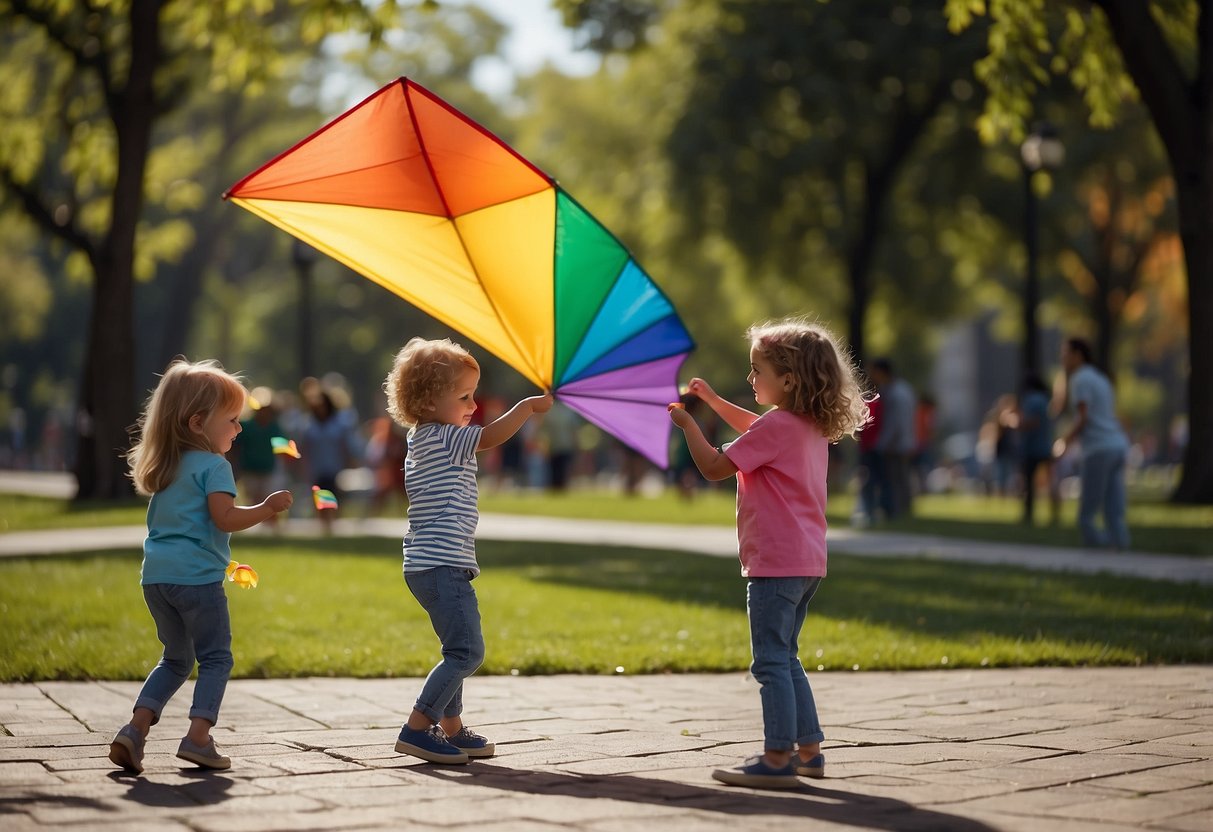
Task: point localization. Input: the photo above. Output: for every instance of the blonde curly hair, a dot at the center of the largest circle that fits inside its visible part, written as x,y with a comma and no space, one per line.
825,383
423,371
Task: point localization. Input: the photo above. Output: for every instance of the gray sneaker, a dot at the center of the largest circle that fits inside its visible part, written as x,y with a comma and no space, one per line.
127,749
206,756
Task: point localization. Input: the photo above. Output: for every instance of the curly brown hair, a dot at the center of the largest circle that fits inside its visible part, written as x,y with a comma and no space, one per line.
825,383
423,371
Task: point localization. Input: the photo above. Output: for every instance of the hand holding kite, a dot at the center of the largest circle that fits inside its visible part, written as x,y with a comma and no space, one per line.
699,388
679,416
242,575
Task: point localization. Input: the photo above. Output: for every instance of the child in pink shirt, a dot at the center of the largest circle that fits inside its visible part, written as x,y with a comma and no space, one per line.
809,382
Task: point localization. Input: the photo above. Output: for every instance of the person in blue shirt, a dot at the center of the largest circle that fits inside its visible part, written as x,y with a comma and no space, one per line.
1035,438
431,390
1104,448
188,424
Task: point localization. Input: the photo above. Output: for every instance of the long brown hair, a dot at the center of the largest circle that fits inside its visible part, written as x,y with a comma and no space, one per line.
185,390
825,383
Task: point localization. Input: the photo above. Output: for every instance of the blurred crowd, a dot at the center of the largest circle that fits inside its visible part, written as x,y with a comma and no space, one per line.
902,453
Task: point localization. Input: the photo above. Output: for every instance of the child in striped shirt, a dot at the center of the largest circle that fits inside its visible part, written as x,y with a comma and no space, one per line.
431,390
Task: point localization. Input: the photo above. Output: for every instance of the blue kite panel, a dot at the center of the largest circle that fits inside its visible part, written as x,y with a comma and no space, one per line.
664,338
633,304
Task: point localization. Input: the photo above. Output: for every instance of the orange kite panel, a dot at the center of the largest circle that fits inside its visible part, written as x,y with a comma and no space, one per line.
474,168
370,157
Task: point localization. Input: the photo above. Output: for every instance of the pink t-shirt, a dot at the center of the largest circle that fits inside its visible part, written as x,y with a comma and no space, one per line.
781,496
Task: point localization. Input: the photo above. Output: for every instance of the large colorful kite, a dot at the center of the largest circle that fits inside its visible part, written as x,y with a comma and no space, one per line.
411,193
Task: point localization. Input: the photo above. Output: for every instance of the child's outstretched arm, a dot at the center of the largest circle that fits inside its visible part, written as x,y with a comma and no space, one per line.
508,423
230,517
713,464
735,416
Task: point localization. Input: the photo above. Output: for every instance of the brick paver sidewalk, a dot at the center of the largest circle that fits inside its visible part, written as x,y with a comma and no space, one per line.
1029,749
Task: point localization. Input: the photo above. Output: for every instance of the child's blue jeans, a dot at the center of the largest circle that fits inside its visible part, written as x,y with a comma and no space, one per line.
445,592
192,623
777,607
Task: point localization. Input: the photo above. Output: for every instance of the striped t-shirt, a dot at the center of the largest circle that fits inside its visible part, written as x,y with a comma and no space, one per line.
440,480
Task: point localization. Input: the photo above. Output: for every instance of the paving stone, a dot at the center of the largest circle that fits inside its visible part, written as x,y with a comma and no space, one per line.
970,751
1138,810
1193,822
26,774
44,728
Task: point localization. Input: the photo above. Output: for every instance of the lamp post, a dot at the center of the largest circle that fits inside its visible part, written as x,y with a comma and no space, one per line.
1041,150
304,257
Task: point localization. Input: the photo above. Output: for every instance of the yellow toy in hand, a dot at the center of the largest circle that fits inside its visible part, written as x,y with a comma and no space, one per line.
241,574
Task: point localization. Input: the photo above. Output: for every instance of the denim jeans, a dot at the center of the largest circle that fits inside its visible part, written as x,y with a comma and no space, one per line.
1103,489
777,608
192,623
446,593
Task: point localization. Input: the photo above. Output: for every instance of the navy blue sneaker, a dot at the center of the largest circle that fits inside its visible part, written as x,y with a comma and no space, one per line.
429,746
472,743
815,767
757,774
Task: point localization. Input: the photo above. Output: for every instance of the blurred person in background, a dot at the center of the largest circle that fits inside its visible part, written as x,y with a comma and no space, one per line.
252,456
896,439
1104,448
1036,441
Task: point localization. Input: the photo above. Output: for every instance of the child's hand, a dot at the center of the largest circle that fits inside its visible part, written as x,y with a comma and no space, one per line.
280,501
699,387
679,416
541,404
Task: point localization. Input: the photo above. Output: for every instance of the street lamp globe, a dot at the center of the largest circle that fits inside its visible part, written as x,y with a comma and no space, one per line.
1043,148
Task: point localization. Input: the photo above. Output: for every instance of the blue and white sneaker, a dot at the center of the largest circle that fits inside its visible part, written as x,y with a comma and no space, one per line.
430,746
757,774
472,743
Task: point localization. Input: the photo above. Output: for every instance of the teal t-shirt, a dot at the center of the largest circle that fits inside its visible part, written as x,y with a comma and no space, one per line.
183,545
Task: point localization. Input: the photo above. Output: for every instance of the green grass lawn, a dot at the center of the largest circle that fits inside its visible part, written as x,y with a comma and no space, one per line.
21,512
340,608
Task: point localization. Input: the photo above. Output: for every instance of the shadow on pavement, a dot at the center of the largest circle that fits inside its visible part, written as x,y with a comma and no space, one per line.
207,789
813,802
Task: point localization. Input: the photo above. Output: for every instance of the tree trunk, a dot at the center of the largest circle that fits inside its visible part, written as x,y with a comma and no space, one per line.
107,401
1182,111
1196,229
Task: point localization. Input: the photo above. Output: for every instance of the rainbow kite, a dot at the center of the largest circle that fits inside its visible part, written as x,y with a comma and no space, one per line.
323,498
414,195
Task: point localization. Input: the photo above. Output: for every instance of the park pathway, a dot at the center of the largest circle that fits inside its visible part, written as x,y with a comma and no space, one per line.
1071,750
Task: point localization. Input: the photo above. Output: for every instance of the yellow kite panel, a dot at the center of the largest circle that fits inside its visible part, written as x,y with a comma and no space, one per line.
419,257
511,247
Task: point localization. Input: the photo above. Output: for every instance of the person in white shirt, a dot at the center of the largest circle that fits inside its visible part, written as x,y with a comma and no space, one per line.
1104,448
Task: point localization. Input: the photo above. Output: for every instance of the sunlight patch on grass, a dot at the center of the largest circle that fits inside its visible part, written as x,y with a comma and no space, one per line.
341,608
